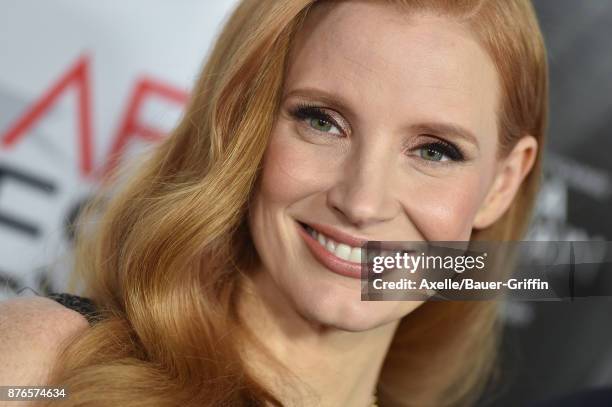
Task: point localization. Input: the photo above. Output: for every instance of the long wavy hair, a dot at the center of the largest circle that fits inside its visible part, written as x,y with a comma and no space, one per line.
165,256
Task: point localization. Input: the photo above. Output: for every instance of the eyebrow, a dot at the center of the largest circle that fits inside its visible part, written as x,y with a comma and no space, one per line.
433,127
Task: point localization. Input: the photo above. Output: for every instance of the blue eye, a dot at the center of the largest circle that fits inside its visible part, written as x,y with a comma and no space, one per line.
431,154
317,119
440,151
321,125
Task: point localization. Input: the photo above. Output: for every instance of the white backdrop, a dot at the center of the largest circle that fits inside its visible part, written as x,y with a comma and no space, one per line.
79,80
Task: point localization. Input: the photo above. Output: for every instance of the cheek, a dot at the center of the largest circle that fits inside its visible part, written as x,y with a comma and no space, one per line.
444,209
293,170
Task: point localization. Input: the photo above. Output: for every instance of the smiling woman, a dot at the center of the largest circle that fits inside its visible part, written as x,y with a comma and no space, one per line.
227,269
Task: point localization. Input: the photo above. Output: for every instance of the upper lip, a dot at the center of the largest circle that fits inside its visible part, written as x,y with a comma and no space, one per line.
337,235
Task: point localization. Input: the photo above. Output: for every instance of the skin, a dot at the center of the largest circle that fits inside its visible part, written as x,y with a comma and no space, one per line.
382,75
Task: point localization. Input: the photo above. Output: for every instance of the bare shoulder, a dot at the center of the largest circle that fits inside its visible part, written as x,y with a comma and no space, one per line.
32,331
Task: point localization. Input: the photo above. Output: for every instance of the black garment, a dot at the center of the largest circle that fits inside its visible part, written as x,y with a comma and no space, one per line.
82,305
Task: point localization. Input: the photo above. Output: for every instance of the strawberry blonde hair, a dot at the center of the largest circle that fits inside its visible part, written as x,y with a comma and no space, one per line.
167,254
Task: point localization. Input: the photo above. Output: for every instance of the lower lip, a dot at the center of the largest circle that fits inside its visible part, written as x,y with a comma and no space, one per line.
333,263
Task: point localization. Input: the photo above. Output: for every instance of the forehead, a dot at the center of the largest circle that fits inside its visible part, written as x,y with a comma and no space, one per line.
404,65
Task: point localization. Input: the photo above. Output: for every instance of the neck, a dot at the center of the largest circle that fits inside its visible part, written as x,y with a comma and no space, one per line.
332,367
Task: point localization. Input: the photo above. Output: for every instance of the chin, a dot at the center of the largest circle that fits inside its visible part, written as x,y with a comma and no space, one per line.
350,314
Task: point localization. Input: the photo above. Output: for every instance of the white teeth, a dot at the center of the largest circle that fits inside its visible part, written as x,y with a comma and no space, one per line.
343,251
355,255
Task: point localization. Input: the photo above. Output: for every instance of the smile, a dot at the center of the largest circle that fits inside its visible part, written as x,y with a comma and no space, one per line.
341,250
337,251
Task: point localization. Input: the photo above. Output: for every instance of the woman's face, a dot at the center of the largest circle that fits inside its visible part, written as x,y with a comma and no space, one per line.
387,131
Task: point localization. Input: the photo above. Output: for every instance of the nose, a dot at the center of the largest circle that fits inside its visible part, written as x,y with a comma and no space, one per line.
363,193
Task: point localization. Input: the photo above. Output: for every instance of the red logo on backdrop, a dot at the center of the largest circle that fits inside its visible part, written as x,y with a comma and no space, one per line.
130,126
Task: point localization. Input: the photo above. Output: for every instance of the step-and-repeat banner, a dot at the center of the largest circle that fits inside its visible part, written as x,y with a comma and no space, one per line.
81,83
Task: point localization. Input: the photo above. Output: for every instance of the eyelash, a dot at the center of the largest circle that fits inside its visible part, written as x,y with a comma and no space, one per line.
303,111
446,148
